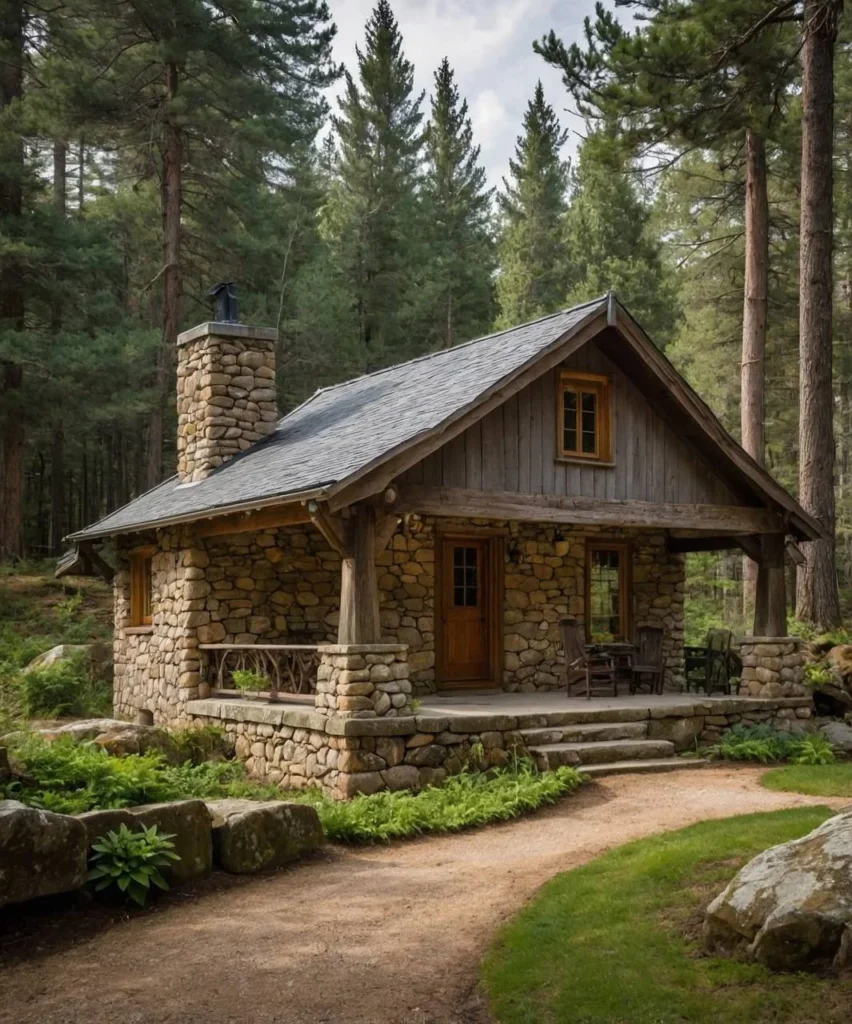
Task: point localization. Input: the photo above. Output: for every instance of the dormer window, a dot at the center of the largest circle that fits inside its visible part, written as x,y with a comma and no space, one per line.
584,419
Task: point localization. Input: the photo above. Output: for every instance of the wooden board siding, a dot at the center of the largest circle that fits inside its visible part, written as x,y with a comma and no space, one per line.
514,449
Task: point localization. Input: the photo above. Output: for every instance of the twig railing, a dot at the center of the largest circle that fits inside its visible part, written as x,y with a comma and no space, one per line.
290,668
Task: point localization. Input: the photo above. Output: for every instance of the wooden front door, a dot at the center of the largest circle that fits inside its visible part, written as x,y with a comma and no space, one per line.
467,626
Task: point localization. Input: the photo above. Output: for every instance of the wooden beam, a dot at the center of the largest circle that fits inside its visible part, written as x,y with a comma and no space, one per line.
359,587
724,542
376,476
385,529
333,529
262,519
541,508
770,605
795,553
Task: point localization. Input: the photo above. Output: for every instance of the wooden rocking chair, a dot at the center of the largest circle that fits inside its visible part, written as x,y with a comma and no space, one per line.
582,665
648,663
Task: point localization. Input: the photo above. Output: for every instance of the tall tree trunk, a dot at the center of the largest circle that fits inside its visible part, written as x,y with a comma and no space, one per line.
755,303
57,447
450,324
12,435
171,212
816,589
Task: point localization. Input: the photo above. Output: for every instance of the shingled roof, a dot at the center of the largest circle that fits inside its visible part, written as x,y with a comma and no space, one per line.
342,429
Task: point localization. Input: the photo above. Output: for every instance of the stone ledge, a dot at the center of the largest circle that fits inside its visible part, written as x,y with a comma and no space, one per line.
770,639
218,329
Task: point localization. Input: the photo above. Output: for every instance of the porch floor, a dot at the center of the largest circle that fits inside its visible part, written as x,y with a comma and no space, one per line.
495,702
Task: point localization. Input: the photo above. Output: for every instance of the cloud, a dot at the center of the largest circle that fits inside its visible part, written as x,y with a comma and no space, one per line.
489,118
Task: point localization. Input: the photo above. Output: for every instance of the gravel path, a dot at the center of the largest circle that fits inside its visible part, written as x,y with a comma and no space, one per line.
389,935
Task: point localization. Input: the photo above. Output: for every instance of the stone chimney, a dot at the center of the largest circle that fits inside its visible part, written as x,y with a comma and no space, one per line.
225,394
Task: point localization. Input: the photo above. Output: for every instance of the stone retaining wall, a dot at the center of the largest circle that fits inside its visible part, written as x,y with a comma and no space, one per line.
346,756
773,666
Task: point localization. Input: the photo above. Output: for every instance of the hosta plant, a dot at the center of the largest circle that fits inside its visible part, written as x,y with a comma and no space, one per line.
131,861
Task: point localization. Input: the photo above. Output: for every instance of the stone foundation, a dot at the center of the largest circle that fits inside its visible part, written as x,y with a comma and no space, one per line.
773,666
363,681
346,756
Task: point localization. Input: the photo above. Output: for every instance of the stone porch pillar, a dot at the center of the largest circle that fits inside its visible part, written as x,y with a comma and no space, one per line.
363,681
773,666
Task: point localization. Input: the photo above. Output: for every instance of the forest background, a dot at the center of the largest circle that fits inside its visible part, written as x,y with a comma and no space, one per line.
150,148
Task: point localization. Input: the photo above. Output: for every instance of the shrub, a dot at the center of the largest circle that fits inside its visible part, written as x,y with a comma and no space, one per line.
72,778
64,688
131,861
464,801
817,674
247,681
766,745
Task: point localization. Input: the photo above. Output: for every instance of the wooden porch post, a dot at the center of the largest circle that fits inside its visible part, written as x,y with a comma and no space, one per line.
359,588
770,606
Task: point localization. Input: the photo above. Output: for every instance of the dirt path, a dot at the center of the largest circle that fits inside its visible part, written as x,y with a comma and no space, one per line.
380,936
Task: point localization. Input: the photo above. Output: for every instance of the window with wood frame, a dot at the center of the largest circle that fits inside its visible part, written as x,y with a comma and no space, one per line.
141,587
584,417
607,591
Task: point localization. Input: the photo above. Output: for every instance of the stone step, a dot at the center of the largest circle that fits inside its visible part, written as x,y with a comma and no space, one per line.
651,764
551,755
586,732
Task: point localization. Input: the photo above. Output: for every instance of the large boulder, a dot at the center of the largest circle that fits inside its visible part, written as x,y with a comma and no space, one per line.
791,907
41,853
98,823
249,836
833,694
839,735
189,822
98,657
118,738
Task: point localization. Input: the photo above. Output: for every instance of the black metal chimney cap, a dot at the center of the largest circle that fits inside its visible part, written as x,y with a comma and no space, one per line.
227,308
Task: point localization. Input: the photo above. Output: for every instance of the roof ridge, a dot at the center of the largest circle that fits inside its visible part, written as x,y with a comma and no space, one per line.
455,348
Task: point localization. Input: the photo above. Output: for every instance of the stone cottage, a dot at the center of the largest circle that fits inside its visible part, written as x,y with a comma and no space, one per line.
423,529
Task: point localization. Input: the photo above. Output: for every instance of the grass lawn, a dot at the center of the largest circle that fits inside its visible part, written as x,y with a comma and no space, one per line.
813,779
618,940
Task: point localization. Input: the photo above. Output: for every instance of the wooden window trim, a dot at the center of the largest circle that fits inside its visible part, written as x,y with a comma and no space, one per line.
601,386
141,589
625,609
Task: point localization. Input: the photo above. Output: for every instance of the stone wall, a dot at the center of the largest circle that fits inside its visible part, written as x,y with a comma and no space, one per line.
544,580
157,667
283,585
347,756
773,666
225,394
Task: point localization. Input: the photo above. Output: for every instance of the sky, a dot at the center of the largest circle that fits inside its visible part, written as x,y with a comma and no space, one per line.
489,45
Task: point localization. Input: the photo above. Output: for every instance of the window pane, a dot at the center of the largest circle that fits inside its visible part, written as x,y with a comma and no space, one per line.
569,405
465,577
605,592
589,422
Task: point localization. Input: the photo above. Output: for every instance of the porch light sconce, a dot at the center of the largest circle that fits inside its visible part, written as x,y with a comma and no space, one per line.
558,535
514,551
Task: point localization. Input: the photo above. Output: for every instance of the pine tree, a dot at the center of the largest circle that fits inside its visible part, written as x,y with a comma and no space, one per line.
816,590
457,209
204,97
609,242
372,215
533,204
697,75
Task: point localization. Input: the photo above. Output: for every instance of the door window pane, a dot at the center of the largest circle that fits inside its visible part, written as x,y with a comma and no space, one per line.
465,577
606,594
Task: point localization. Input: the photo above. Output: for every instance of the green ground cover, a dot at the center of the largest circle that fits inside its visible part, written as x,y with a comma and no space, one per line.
71,778
814,780
618,940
